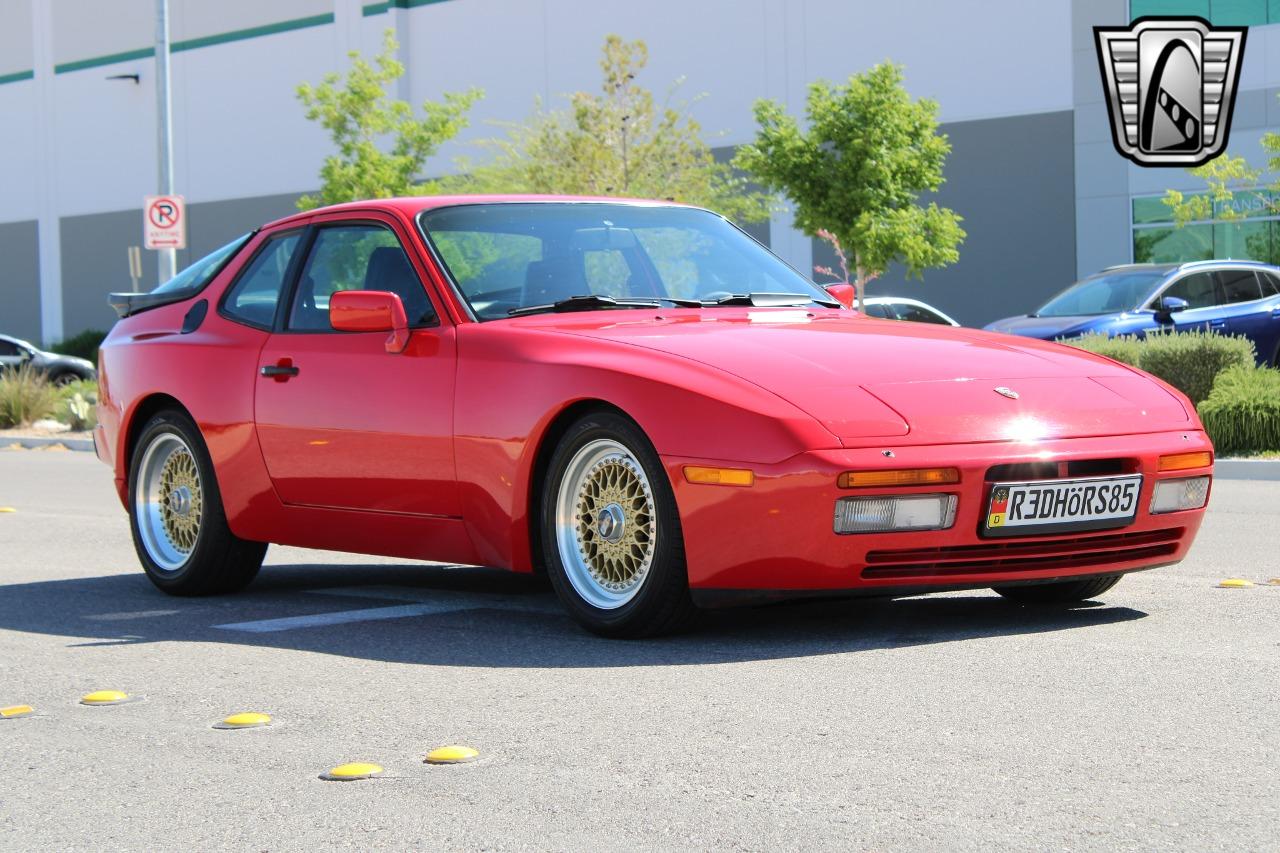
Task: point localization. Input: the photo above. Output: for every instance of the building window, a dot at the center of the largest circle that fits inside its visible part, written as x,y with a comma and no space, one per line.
1255,236
1222,13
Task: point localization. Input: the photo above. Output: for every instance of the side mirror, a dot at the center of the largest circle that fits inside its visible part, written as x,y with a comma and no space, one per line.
370,311
1168,306
845,294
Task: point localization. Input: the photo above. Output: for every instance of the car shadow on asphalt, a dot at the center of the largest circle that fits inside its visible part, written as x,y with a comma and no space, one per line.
487,618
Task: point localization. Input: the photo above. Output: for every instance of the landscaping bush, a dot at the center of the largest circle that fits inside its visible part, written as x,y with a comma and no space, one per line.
84,345
1242,413
1189,361
77,404
1123,348
25,396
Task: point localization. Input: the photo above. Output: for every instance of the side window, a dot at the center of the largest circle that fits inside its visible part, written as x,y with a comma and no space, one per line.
356,257
916,314
255,294
8,349
1238,286
1196,288
1270,285
877,309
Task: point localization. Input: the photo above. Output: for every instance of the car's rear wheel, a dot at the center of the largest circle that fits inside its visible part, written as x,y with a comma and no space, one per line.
1061,592
175,511
611,533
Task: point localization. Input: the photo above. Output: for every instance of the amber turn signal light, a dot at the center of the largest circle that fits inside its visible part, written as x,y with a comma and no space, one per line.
906,477
719,476
1183,461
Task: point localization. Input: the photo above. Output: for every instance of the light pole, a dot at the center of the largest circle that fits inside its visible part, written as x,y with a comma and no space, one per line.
164,128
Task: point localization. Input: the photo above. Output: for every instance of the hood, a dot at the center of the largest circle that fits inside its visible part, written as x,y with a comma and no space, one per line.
917,383
1044,328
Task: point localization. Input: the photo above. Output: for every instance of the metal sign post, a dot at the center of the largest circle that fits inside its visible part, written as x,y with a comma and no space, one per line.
135,266
166,256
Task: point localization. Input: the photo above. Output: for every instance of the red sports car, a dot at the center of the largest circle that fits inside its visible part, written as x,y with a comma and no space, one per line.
634,397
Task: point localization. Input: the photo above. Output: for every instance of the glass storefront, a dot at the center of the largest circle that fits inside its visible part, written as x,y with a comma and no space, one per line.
1254,237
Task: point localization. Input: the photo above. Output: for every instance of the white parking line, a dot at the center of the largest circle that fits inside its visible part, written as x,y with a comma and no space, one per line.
342,617
426,603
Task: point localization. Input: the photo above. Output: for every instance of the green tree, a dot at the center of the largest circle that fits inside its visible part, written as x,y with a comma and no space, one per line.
1227,178
361,117
617,143
858,171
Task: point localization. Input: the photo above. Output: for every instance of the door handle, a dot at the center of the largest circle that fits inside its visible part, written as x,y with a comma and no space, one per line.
1217,324
280,372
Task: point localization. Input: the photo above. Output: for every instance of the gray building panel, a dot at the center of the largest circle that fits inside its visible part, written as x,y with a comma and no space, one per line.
95,251
20,280
1012,181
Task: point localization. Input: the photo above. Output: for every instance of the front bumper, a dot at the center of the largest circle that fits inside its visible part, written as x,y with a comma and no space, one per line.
777,535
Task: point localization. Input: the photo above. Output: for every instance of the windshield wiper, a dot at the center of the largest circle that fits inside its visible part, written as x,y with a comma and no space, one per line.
762,299
594,301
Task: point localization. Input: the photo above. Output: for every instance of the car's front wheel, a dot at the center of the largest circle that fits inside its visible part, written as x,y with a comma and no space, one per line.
611,533
175,511
1061,592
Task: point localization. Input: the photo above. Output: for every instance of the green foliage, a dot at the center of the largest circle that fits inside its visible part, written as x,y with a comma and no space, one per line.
1242,414
77,404
25,396
84,345
858,170
1189,361
618,143
1225,177
1123,348
359,114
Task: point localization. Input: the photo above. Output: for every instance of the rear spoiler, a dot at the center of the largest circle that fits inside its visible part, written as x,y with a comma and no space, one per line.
128,304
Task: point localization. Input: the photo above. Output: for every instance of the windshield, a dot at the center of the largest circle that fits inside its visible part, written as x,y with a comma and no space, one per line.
202,271
511,257
1106,293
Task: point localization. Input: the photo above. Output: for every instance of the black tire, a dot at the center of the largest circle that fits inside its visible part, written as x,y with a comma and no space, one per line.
217,561
60,379
1062,592
661,603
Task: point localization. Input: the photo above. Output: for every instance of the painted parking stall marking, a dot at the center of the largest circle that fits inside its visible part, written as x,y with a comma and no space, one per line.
424,603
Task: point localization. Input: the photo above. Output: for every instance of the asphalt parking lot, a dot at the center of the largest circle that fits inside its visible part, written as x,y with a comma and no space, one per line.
962,721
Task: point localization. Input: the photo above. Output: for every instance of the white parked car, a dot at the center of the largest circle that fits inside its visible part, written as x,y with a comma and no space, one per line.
901,308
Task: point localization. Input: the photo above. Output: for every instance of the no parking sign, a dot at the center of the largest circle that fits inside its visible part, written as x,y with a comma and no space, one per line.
164,222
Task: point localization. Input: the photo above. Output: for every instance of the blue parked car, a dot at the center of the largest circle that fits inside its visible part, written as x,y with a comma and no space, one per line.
1230,297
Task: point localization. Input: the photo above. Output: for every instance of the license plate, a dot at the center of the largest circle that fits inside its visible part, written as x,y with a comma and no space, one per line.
1049,506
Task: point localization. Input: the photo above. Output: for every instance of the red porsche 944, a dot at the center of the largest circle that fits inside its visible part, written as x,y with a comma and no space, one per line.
634,397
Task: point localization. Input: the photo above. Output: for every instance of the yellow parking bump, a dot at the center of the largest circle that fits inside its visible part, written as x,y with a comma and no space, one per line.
245,720
106,697
452,755
7,509
1236,583
1274,582
14,711
353,771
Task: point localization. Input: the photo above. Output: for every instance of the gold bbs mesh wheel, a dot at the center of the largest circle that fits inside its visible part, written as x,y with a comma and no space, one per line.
169,501
606,524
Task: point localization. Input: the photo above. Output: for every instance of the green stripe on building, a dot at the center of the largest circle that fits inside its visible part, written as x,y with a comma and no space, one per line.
379,8
16,77
196,43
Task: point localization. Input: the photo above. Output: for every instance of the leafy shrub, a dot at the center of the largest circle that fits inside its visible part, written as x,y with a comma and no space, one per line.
1189,361
1242,413
1123,348
77,404
25,396
84,345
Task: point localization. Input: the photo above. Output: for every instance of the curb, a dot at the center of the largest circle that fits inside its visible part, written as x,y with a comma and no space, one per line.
1247,469
80,444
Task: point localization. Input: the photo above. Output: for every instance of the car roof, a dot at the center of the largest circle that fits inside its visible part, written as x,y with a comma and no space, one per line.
1169,268
413,205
